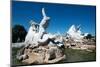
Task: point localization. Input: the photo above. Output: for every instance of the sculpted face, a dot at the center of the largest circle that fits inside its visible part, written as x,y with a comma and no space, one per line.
35,27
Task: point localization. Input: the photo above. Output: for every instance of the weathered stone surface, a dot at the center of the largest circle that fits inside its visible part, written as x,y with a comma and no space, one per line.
84,45
42,55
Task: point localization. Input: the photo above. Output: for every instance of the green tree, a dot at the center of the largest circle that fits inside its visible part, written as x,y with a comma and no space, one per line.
18,33
89,36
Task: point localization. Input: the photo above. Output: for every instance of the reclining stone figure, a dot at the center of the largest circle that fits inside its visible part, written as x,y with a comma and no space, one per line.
37,32
37,37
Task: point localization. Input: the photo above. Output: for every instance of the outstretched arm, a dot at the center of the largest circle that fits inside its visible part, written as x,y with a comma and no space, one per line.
45,18
43,12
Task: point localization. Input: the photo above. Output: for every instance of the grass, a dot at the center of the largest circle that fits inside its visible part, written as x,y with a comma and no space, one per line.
15,61
72,55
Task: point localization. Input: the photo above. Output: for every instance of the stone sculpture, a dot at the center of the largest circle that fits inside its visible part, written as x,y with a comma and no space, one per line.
41,47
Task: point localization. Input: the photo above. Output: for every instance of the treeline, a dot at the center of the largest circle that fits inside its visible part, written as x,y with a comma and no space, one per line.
18,33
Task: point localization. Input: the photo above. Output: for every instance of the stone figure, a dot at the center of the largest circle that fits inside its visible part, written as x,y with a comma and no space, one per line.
37,34
33,30
41,47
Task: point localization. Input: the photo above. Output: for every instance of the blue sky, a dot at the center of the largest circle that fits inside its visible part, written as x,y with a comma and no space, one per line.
62,16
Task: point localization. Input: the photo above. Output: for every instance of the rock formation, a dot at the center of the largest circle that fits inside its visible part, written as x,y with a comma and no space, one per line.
74,33
76,40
